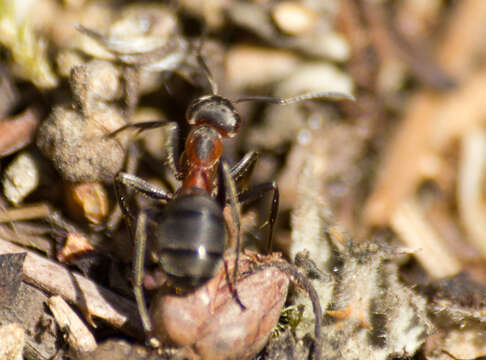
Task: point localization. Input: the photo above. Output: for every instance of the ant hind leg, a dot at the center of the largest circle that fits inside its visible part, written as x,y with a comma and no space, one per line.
232,199
138,273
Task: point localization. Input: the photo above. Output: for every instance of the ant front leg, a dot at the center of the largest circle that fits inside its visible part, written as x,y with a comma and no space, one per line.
171,140
258,192
171,144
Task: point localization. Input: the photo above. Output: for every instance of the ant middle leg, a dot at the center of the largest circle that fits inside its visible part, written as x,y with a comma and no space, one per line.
257,192
241,171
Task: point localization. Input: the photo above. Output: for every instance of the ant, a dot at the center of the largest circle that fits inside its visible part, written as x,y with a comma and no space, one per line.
188,235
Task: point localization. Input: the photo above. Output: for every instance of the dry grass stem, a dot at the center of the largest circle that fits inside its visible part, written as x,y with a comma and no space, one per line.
470,199
29,212
409,222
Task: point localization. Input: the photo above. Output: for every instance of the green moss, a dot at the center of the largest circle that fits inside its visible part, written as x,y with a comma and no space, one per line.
28,52
289,319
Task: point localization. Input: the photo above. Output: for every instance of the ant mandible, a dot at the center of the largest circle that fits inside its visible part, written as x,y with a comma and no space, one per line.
188,235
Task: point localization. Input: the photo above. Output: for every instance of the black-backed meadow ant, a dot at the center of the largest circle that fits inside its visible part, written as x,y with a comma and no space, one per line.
188,236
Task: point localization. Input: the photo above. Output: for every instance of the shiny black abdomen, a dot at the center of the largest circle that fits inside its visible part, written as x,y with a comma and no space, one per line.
190,239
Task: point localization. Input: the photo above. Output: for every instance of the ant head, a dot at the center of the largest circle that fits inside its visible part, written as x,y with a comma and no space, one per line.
215,111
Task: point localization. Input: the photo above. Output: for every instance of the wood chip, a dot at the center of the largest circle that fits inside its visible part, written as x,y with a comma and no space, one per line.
17,132
90,298
79,337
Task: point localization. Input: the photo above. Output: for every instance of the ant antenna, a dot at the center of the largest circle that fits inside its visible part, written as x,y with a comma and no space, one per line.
207,72
326,95
202,63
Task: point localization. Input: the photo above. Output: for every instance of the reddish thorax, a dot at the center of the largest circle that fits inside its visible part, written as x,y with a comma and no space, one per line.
202,151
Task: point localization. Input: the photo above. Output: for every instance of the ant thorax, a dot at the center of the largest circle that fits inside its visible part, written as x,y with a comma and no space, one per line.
203,149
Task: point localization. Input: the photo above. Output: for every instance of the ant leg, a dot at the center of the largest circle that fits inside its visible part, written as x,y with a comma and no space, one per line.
240,172
141,126
231,195
123,181
303,282
131,165
171,142
256,193
243,168
141,186
138,269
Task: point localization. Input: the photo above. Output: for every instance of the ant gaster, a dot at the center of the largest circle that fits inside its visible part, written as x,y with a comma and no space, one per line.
188,236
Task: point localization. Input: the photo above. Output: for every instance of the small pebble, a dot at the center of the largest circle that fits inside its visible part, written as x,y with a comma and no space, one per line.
21,177
253,66
293,18
88,200
12,338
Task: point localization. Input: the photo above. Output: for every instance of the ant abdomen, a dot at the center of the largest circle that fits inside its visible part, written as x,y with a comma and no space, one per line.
189,239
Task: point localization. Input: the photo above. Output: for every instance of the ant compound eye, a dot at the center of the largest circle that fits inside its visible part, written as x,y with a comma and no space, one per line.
214,111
